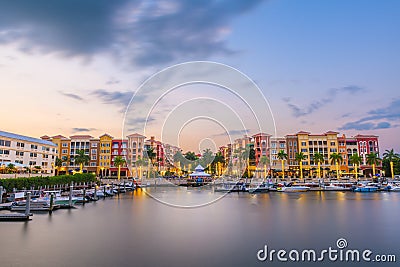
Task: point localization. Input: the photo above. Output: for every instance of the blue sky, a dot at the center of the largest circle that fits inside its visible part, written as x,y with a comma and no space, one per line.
72,66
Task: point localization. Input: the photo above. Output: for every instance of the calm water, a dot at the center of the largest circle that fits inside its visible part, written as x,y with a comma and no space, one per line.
136,230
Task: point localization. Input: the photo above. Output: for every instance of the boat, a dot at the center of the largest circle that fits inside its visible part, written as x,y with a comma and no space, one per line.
393,188
293,188
260,188
238,187
35,205
333,187
366,188
63,201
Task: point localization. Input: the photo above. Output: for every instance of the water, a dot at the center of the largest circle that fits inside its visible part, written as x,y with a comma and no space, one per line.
136,230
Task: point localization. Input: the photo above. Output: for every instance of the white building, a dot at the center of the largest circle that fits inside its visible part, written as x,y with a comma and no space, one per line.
27,151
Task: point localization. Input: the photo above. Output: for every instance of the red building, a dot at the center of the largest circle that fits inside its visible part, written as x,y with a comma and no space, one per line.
119,147
367,144
261,145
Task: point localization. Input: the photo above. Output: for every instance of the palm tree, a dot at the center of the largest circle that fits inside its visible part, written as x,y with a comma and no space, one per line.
373,159
81,158
319,158
299,157
336,159
282,156
118,162
356,160
151,155
218,161
390,156
58,164
264,161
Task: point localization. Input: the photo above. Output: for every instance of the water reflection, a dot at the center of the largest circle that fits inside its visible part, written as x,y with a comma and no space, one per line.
135,230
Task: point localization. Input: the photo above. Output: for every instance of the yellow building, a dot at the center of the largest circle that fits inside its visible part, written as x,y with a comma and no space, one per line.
309,144
105,155
64,149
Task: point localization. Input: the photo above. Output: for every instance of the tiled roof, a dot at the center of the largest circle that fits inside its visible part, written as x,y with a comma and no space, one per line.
81,137
26,138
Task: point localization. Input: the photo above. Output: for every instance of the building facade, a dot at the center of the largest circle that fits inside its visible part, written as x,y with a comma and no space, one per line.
27,152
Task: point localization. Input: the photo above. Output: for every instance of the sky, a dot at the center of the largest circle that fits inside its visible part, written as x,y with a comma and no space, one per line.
72,67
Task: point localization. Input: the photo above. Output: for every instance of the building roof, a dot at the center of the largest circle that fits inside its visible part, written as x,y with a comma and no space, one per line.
26,138
59,137
136,135
106,135
331,132
303,132
82,136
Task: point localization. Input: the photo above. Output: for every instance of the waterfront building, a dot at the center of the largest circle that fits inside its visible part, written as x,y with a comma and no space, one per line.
119,147
261,143
158,149
309,144
63,147
277,144
367,144
94,155
291,150
27,152
135,152
79,143
105,154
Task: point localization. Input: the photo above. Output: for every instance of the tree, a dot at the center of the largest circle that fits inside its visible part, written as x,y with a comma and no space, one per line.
118,162
391,157
190,156
282,156
356,160
264,160
373,159
336,159
299,157
81,158
218,163
58,164
319,158
11,168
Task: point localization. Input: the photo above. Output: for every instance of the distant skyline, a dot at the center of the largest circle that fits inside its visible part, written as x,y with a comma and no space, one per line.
71,67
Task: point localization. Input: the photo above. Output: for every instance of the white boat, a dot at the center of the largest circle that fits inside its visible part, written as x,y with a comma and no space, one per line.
259,188
393,187
293,188
332,187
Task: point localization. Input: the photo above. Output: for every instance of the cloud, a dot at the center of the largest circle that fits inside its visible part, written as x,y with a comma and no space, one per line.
73,96
147,32
115,97
113,81
75,130
379,118
318,104
233,132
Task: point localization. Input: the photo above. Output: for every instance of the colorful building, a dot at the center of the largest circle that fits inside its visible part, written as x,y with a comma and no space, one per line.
119,148
105,155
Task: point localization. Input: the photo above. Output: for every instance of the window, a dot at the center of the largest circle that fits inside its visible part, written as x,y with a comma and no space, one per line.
333,143
92,164
33,155
33,146
94,151
282,145
304,150
19,153
333,150
64,151
64,144
303,143
20,144
94,157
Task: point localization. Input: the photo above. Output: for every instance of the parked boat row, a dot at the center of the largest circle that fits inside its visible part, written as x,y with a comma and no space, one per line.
291,187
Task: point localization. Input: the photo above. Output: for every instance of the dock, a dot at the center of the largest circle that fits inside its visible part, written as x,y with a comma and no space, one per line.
15,217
